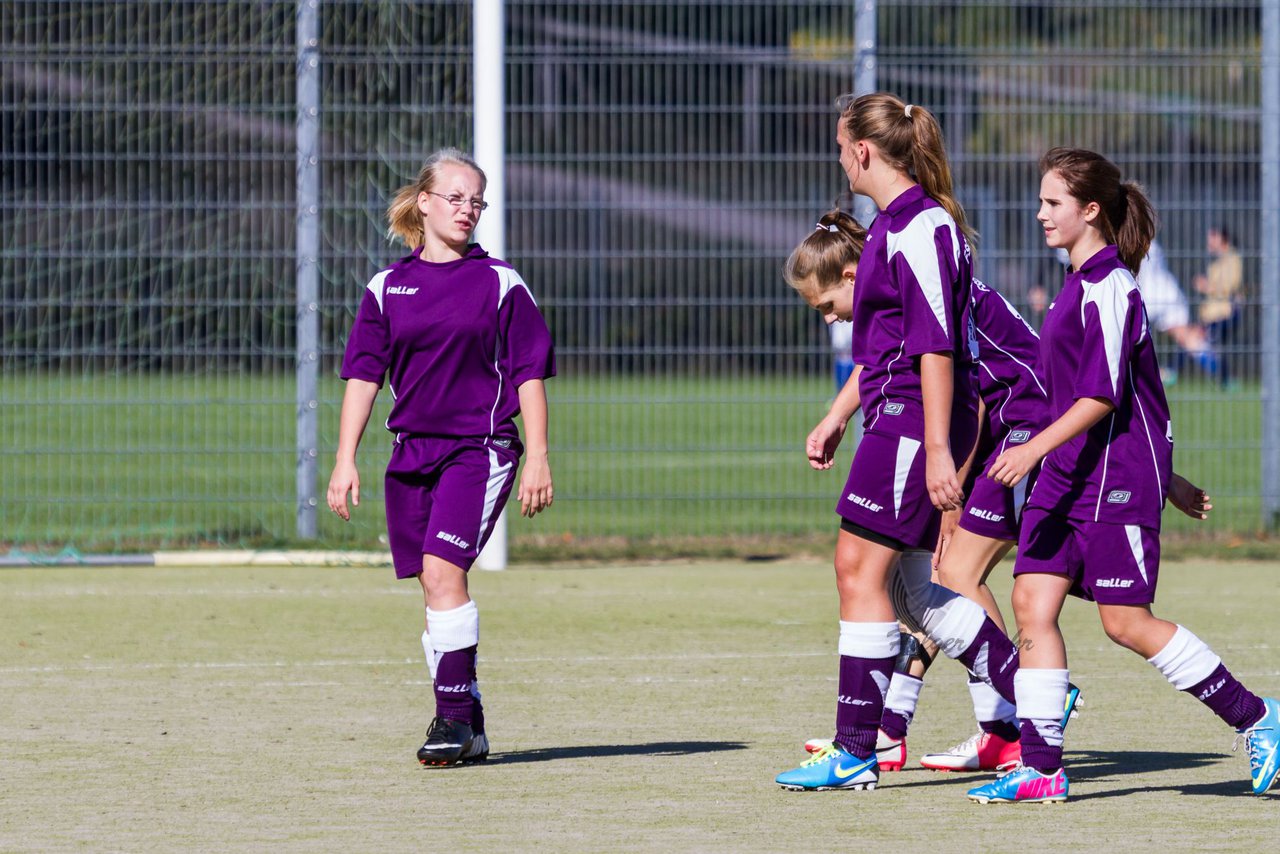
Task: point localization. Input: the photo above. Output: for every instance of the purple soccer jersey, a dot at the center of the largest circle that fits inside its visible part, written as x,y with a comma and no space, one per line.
454,342
1095,342
911,298
1006,349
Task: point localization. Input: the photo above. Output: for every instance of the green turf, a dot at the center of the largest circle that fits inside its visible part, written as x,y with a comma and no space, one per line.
631,708
122,463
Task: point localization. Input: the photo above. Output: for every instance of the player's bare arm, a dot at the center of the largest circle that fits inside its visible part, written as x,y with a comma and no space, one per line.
536,492
357,404
1014,464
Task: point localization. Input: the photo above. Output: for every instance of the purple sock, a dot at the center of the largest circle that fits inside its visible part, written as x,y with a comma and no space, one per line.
861,702
1007,730
1228,699
895,724
1038,753
454,675
993,658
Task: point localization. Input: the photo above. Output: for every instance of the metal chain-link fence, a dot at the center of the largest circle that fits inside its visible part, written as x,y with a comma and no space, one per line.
663,159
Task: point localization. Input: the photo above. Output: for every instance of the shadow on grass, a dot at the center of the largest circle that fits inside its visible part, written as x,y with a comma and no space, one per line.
1100,768
593,751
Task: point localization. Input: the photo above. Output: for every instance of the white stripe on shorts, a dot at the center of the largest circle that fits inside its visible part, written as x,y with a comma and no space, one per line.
907,449
1135,545
493,488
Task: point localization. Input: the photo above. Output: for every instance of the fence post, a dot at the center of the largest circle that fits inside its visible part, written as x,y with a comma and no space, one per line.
488,57
307,252
1269,248
864,82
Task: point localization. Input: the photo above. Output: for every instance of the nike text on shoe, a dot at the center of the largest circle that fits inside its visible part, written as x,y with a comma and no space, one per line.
891,753
1262,743
833,767
1023,785
452,742
983,751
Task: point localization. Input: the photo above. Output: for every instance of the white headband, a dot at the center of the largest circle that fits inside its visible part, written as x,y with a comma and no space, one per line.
831,228
907,110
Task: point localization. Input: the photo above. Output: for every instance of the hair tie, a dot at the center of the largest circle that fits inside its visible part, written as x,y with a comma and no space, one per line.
831,228
907,110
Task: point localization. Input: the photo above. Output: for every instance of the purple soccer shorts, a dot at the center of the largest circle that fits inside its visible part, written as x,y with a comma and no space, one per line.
886,492
1108,564
443,496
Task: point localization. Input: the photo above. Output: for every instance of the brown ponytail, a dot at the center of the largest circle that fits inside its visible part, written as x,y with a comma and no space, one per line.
816,265
1127,219
404,220
910,140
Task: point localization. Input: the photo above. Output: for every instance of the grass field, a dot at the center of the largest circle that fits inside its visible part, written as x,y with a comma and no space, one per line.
631,708
643,465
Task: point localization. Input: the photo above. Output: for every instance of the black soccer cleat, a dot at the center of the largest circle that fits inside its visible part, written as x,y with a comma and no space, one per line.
451,742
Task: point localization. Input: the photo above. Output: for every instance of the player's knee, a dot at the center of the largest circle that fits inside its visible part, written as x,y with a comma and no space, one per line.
1126,630
961,582
1033,614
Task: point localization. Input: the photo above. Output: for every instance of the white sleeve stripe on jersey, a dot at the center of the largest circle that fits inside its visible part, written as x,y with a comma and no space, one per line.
508,279
917,245
1111,297
376,285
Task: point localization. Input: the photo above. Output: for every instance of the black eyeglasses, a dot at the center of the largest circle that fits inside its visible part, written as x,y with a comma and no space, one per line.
456,202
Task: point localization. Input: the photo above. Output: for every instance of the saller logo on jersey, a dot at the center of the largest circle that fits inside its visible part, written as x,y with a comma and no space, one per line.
402,290
1017,437
1114,582
1119,496
453,538
893,409
986,514
865,502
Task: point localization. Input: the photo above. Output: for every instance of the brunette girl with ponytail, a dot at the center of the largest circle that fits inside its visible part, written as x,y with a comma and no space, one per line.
1092,523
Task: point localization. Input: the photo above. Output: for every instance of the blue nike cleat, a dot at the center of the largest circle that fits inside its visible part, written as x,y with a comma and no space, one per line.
832,767
1023,785
1262,742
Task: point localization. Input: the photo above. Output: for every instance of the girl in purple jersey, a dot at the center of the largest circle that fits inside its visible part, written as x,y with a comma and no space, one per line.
459,339
1093,519
914,385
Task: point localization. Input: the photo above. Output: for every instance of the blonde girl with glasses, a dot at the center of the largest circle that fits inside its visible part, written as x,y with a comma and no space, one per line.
457,336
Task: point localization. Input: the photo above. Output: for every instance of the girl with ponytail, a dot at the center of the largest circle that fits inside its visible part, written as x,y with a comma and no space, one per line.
1092,523
915,386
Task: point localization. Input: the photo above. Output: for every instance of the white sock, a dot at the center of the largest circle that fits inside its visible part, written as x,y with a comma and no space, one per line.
433,657
903,695
457,628
1042,696
869,640
1185,660
988,705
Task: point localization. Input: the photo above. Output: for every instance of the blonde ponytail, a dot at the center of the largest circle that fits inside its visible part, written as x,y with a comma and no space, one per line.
404,220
